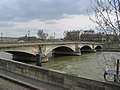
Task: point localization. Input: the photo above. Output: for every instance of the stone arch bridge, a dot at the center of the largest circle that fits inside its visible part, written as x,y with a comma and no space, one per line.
29,51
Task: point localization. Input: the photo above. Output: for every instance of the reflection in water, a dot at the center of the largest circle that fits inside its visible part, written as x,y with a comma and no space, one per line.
90,65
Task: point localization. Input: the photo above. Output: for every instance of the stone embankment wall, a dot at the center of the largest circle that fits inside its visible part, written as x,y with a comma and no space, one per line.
54,77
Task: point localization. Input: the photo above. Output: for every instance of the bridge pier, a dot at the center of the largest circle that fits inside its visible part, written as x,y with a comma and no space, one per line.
92,51
77,53
44,58
38,59
77,50
66,53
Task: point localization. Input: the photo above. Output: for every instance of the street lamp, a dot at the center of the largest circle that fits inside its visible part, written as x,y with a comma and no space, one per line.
28,35
54,35
1,37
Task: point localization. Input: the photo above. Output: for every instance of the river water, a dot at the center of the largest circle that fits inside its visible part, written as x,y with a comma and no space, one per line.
88,65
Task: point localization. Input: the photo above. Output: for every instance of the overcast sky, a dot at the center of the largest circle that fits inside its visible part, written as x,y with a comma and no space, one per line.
17,17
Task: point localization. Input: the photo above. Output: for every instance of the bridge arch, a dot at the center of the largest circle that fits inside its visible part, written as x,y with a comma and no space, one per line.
98,48
81,46
22,56
20,52
60,49
63,51
85,48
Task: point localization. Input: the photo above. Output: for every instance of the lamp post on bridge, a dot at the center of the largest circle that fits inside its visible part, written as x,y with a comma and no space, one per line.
1,37
54,35
28,35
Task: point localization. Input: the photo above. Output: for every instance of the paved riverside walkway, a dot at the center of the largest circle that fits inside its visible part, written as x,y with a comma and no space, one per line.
8,85
34,84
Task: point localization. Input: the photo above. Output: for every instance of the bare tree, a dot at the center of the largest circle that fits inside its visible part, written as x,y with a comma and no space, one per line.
107,17
51,38
42,35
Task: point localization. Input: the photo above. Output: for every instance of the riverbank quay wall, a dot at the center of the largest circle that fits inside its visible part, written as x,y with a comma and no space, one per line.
57,78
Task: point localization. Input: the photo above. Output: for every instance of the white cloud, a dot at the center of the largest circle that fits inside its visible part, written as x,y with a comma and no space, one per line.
19,16
71,22
40,9
76,22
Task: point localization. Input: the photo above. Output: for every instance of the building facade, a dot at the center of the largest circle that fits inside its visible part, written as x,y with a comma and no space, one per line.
85,35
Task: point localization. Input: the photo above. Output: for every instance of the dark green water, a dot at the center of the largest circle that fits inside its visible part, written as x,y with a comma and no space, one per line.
86,65
89,65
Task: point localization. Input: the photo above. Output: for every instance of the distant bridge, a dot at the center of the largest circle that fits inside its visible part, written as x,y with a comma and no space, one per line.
30,50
